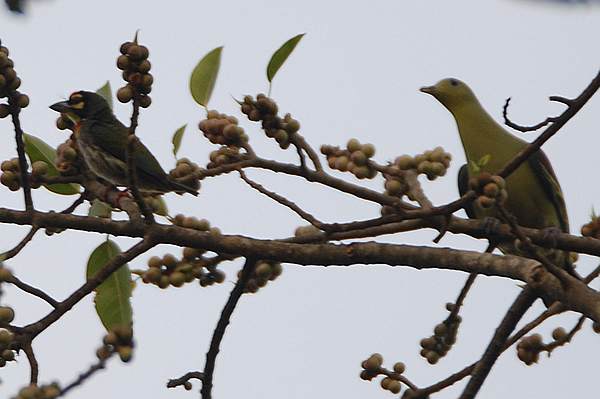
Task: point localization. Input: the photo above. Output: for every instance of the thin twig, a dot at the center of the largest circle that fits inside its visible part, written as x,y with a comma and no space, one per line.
34,291
33,364
523,302
573,107
131,172
90,372
23,165
213,351
32,330
282,200
13,252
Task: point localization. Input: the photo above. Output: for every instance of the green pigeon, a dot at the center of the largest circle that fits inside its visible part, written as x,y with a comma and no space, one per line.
534,195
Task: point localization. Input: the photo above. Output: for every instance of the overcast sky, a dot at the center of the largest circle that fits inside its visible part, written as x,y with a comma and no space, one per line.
356,74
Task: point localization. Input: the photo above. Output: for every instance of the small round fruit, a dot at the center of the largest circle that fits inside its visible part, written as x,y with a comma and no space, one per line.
7,314
559,333
263,270
353,145
8,355
39,168
177,279
125,353
123,62
124,47
369,150
4,111
145,101
5,274
399,368
394,386
169,261
124,94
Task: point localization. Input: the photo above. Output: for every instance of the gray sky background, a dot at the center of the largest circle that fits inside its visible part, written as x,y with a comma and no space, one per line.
355,74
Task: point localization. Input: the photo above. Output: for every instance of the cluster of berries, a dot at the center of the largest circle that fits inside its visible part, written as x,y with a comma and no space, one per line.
186,172
170,271
6,354
9,83
225,155
223,129
265,109
7,315
432,163
11,175
372,368
263,273
489,188
135,66
355,159
119,339
529,348
50,391
444,336
67,159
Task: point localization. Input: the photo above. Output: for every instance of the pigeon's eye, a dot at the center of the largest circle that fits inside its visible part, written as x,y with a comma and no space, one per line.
454,82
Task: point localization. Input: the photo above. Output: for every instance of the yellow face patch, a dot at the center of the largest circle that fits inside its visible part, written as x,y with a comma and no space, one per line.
76,101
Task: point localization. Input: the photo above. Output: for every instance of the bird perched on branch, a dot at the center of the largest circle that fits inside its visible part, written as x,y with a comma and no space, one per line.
533,196
102,140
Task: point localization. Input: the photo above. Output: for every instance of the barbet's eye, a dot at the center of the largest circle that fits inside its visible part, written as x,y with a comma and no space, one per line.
76,100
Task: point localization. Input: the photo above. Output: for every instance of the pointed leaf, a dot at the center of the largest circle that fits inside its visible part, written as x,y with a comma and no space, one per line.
135,38
177,139
112,299
281,55
106,93
204,76
159,207
38,150
100,209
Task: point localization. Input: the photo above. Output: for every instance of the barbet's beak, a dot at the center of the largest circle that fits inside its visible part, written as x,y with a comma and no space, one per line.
66,110
62,107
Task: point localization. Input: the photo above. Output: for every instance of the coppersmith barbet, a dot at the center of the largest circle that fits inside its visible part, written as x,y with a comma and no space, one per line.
102,141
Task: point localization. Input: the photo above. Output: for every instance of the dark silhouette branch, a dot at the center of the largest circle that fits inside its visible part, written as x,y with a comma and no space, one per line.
213,351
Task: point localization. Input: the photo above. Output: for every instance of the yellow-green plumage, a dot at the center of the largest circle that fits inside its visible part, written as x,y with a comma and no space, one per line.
534,195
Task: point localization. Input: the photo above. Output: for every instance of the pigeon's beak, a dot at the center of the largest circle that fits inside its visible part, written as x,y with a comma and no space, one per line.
428,89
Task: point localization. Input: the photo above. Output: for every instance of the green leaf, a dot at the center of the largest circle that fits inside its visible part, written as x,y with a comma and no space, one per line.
38,150
484,160
100,209
112,299
281,55
204,76
106,93
159,207
177,139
